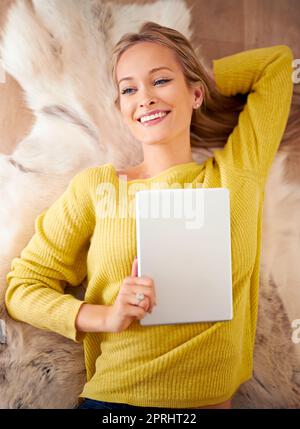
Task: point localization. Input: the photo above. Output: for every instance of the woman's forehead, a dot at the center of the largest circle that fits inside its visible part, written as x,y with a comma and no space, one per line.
145,57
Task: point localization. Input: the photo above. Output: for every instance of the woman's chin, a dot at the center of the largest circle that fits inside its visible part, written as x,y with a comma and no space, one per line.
155,139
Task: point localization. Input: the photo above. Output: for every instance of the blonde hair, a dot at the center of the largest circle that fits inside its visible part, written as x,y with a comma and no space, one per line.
215,119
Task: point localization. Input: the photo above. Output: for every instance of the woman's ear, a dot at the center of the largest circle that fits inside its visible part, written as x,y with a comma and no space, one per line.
198,96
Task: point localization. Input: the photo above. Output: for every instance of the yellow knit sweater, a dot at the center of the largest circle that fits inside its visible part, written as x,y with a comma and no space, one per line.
185,365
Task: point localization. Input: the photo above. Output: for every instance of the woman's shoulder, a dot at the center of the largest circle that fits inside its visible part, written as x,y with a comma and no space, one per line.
92,174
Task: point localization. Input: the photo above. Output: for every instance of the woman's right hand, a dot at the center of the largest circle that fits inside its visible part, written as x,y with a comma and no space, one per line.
125,309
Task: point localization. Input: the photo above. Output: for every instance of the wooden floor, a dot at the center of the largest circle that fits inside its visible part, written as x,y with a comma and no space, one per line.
222,27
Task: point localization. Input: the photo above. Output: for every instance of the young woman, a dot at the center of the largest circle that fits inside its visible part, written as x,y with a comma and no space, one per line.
169,103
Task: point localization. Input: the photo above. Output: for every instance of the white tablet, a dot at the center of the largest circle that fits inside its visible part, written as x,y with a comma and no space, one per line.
184,245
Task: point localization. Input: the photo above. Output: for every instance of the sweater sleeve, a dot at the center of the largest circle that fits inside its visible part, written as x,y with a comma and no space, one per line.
54,258
265,74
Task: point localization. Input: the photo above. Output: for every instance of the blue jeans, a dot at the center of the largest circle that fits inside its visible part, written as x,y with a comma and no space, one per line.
100,405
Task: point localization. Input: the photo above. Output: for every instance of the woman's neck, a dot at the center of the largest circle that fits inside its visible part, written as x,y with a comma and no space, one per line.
149,168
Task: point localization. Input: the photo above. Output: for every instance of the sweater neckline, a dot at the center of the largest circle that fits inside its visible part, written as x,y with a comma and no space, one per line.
159,175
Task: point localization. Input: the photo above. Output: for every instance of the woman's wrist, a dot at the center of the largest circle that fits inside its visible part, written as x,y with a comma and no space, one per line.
91,318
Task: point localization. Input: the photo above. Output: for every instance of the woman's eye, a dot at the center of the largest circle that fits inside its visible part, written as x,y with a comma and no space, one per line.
164,80
158,80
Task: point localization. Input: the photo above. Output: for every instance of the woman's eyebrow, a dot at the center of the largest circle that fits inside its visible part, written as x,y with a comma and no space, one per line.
150,72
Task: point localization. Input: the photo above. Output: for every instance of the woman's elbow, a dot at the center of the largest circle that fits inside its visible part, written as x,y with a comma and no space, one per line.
10,300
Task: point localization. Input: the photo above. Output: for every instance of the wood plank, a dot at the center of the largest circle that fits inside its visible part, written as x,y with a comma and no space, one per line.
15,118
272,22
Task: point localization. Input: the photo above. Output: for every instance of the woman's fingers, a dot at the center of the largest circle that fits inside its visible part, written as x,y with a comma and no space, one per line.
143,281
135,311
134,271
130,295
145,303
130,298
133,285
134,289
139,281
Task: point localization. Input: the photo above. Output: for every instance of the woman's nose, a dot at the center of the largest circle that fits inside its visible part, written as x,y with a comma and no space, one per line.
146,104
147,100
147,97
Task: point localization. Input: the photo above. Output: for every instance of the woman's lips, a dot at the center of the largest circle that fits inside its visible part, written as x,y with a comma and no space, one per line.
154,121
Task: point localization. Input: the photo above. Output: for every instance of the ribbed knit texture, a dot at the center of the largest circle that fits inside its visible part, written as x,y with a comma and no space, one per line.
182,365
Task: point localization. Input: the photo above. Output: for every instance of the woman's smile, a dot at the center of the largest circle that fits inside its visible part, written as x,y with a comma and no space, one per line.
154,121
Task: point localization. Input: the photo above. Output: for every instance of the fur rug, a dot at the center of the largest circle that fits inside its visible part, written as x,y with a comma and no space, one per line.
43,49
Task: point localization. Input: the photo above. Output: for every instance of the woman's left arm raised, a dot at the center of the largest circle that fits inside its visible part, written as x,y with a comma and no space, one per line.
266,75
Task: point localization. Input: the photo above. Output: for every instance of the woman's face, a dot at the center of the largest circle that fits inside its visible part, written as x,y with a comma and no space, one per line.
163,89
